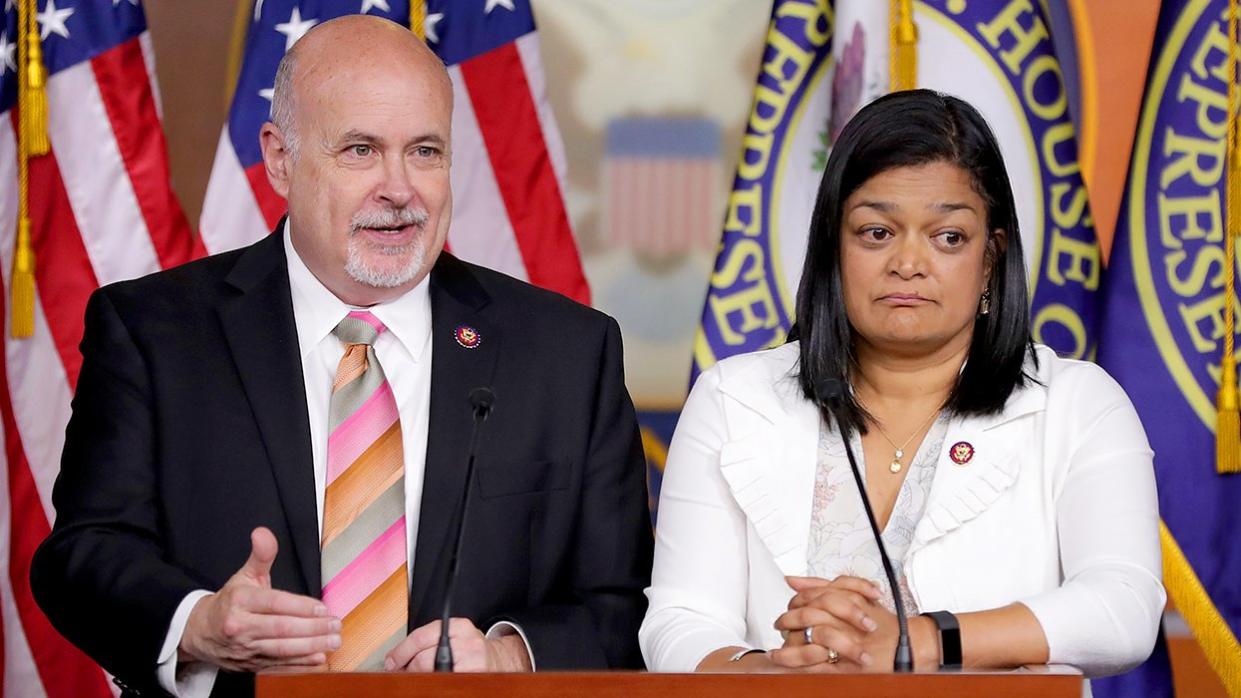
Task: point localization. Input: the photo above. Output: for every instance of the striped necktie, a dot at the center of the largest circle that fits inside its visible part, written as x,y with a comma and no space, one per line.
364,552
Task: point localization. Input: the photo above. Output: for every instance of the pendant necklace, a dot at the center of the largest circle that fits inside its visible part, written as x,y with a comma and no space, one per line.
896,465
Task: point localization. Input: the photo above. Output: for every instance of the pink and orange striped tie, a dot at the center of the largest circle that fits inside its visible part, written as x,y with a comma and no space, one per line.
364,551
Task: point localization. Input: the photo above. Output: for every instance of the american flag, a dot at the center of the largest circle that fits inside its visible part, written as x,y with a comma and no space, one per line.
508,162
101,211
661,180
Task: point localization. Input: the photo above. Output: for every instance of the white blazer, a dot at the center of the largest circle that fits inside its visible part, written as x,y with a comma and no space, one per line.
1056,509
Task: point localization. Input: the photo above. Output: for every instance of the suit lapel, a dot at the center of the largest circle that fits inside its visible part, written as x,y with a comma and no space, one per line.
259,326
457,301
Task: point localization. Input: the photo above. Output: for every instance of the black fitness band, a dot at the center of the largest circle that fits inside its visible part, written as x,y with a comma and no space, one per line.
949,639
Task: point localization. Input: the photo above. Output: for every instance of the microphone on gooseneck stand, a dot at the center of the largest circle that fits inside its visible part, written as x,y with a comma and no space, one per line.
830,392
481,400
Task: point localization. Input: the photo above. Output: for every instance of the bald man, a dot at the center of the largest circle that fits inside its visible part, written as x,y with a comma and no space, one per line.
268,447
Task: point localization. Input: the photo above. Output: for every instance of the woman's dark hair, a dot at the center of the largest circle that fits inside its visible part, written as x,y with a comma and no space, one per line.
904,129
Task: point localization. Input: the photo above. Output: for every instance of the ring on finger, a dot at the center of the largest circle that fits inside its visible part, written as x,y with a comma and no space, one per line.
808,635
832,656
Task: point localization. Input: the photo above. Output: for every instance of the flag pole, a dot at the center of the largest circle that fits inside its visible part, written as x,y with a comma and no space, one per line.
1228,419
902,45
237,48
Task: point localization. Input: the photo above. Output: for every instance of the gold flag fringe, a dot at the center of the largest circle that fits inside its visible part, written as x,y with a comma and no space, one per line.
1216,639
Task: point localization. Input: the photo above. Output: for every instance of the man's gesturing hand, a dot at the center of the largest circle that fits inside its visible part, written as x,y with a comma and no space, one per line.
247,625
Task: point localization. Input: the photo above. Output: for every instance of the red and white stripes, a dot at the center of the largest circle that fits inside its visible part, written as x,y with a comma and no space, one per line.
102,210
662,205
508,116
232,216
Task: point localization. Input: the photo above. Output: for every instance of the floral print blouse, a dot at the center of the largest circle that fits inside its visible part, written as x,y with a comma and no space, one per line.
840,539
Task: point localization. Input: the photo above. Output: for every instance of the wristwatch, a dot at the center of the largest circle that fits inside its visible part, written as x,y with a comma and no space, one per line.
949,639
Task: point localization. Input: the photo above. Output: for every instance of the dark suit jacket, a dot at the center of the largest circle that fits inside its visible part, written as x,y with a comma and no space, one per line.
190,428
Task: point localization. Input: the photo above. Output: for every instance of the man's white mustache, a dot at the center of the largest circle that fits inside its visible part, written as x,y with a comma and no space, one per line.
390,218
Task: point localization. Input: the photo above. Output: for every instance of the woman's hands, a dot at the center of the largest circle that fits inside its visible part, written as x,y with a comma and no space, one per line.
851,631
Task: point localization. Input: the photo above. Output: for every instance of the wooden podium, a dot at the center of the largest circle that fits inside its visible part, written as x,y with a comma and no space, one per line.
1030,682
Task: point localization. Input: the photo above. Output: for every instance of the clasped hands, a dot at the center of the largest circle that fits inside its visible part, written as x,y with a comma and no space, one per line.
851,631
249,626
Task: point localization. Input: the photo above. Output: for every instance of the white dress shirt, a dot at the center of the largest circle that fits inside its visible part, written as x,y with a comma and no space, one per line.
404,352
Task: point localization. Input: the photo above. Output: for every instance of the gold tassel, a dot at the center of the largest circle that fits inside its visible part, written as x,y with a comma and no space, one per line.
22,289
31,141
903,46
1228,427
417,17
1228,411
1228,417
33,95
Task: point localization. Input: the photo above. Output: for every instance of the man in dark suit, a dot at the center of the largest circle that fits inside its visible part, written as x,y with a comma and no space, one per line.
268,446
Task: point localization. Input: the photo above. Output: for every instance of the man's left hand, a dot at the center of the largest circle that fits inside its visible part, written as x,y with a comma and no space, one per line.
471,650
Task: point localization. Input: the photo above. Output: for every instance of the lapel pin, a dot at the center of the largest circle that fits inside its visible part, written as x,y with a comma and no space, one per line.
467,336
962,452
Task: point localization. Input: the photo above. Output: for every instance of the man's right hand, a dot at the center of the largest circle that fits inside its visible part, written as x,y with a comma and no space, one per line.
248,626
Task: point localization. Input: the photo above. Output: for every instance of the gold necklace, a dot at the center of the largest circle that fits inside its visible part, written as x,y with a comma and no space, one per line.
896,465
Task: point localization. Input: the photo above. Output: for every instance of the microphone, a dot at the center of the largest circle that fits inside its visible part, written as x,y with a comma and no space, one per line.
830,392
481,400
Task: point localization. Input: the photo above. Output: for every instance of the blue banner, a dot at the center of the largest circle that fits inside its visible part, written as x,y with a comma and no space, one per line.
1163,316
749,302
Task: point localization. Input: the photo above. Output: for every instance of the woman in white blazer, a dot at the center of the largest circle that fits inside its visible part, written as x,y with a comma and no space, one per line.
1014,488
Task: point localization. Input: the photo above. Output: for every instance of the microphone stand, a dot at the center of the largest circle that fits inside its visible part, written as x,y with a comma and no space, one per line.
481,400
830,391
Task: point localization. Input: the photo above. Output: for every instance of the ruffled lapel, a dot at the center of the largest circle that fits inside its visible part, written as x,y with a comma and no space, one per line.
961,491
769,464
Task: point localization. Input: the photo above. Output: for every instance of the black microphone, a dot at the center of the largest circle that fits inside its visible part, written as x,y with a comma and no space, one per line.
481,400
830,392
